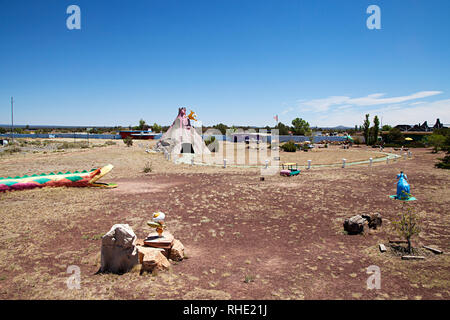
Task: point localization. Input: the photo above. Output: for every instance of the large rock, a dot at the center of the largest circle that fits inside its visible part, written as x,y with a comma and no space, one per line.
374,220
354,225
118,253
177,251
154,260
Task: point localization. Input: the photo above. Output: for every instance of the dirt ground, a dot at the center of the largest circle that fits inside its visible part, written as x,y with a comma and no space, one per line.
281,238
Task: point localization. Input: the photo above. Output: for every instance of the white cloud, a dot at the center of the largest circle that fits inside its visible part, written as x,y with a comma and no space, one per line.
321,105
391,114
287,110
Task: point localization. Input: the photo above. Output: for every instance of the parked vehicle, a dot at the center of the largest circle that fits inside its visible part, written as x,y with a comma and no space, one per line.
289,169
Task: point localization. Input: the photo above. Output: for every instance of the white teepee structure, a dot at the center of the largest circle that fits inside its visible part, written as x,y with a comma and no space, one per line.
182,137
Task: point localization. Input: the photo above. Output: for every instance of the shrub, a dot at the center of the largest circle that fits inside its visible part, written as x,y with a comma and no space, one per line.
128,141
407,226
289,147
437,141
444,163
147,168
73,145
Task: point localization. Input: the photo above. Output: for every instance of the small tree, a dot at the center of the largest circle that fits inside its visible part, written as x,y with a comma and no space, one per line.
301,127
283,130
142,124
128,141
395,136
366,129
437,141
156,128
407,226
375,129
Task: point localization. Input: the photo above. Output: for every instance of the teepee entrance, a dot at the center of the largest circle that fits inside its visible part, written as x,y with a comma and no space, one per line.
187,148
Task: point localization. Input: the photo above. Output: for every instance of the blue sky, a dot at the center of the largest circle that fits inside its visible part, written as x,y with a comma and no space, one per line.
235,62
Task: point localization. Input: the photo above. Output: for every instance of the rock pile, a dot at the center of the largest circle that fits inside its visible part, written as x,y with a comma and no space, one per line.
121,250
356,224
155,252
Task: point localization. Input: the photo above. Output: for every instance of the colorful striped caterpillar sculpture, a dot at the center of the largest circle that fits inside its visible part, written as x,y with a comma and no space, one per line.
69,179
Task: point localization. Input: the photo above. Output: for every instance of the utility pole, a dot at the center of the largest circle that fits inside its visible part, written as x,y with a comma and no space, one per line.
12,119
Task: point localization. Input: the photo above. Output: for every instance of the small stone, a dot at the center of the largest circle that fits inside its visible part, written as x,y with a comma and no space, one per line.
177,251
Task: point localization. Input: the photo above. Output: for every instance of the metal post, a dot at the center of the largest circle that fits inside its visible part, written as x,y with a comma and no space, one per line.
343,163
309,164
267,163
224,163
370,162
12,119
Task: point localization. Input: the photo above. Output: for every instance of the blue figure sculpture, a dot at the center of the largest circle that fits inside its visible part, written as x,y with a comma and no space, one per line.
403,189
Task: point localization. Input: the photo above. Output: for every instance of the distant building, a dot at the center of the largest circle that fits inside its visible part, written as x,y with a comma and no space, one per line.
419,127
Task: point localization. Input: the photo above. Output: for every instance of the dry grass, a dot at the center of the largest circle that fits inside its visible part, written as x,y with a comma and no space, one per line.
284,235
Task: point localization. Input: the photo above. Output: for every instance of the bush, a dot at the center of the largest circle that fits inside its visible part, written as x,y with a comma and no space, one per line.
147,168
73,145
128,141
289,147
444,164
437,141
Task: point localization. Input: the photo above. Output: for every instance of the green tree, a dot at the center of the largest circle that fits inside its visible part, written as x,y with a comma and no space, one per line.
366,129
437,141
386,127
142,124
395,135
283,130
375,129
221,127
301,127
156,128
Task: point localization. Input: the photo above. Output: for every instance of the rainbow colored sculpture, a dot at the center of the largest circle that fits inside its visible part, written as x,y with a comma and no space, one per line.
69,179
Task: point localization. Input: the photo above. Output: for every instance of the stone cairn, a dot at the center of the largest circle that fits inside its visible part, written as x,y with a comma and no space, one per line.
121,250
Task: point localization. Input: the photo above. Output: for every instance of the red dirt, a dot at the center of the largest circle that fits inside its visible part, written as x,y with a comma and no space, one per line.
285,234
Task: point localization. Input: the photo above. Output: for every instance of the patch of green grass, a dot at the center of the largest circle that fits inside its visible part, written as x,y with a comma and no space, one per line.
249,278
94,237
